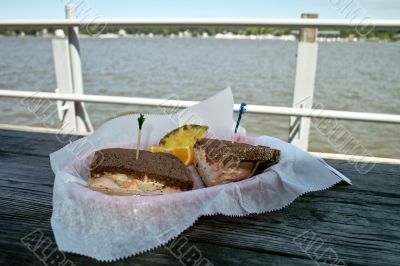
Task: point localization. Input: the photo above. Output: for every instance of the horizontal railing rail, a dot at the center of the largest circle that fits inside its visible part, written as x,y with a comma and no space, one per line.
255,109
236,22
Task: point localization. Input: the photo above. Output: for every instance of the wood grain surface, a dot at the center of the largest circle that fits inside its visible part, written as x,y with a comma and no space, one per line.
345,225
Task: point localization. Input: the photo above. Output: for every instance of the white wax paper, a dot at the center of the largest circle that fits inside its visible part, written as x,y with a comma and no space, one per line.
113,227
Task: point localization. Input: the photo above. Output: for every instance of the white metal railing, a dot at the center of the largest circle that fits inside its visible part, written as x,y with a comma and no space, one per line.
254,109
70,95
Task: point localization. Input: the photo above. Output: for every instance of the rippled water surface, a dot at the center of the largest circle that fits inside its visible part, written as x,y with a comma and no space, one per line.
351,76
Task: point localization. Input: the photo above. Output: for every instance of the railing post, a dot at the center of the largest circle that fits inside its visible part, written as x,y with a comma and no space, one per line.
62,67
306,67
82,118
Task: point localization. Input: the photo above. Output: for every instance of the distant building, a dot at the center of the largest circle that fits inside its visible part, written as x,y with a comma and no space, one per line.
59,33
329,34
324,34
45,33
122,33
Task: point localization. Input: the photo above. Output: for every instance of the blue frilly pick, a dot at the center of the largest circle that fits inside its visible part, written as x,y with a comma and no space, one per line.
242,110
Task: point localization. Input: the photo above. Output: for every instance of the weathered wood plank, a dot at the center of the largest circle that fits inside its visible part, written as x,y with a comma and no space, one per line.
32,143
360,223
217,255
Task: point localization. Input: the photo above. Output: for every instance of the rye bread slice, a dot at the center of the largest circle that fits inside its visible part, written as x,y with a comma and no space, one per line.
161,167
225,151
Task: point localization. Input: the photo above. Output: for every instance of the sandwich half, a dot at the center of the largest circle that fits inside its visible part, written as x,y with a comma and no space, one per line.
117,172
221,161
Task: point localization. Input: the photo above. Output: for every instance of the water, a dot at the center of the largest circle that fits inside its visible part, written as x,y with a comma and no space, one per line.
351,76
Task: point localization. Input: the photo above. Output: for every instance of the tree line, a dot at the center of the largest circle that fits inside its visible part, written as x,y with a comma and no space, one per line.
198,31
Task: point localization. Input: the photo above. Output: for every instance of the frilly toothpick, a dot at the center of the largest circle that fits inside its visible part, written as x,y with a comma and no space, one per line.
139,137
242,110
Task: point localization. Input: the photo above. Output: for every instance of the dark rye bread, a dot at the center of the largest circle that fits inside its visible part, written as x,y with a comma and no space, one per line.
161,167
223,151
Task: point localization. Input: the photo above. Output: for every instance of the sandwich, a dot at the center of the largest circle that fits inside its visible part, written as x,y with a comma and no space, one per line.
221,161
116,171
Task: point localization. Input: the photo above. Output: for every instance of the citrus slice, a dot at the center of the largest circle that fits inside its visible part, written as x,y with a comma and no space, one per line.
183,136
185,154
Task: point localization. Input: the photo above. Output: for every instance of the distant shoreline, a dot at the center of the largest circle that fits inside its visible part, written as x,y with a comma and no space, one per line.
204,33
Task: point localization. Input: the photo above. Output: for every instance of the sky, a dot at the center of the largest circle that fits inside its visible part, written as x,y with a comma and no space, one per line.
339,9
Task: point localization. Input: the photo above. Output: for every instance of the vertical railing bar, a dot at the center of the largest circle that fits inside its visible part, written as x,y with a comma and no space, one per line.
306,67
83,123
62,68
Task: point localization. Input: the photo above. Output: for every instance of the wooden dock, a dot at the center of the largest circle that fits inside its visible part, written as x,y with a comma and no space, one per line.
345,225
